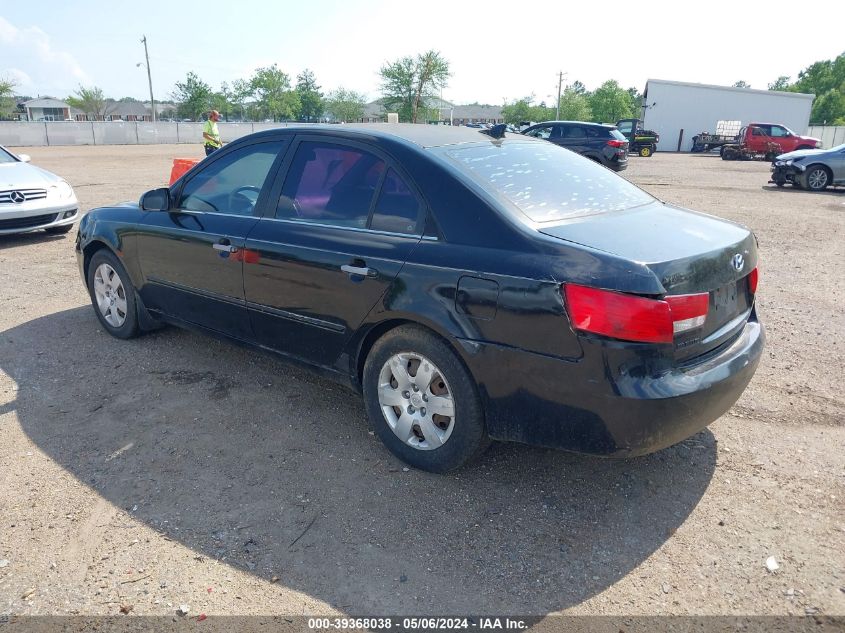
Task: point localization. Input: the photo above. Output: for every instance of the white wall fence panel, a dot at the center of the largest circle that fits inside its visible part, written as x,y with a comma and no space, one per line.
23,134
830,135
48,133
109,133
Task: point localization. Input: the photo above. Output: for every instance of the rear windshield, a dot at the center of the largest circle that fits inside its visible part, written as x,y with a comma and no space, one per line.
546,182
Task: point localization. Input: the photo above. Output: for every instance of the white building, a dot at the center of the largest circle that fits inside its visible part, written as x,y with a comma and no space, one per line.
678,110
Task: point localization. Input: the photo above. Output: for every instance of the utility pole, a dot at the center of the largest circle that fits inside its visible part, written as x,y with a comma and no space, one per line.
559,84
150,78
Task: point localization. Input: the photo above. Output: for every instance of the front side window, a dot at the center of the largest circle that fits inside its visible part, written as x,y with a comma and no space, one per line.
779,131
330,184
541,132
231,185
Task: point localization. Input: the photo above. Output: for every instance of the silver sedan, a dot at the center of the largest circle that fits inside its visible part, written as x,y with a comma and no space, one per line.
32,198
813,169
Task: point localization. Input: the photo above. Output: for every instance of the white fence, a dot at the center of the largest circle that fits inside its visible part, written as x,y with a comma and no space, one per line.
830,135
30,134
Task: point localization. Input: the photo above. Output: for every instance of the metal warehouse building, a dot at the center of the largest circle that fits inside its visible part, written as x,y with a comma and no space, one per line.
678,110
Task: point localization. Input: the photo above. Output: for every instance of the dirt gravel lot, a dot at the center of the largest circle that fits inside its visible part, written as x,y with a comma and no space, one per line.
175,469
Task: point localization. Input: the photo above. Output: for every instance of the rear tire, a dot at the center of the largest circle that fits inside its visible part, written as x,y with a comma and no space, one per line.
112,295
59,230
408,374
645,152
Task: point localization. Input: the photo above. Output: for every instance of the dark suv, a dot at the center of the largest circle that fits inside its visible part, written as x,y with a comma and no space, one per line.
601,143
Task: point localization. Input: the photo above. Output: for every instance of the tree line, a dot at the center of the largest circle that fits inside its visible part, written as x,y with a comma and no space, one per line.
826,80
409,86
607,104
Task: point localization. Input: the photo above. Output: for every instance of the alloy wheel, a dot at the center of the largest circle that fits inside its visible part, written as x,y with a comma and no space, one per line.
817,179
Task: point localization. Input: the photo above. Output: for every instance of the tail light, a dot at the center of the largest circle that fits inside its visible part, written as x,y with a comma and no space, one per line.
753,277
633,318
618,144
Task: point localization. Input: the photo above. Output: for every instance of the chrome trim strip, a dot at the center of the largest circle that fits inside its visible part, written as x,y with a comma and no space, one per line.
205,294
347,228
292,316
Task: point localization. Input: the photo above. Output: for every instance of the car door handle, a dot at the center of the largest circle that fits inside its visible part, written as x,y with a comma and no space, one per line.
226,248
358,270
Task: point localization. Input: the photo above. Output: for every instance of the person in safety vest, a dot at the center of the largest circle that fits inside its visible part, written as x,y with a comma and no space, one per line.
210,133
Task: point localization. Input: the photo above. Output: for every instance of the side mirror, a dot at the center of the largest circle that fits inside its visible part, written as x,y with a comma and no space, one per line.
156,200
24,158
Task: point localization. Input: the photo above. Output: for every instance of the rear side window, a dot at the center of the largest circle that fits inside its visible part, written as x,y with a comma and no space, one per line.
330,184
397,209
546,182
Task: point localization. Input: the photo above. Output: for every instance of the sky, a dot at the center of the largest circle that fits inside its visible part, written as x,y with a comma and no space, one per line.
496,50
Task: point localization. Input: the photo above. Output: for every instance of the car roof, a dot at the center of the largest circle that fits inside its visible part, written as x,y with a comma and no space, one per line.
587,123
423,135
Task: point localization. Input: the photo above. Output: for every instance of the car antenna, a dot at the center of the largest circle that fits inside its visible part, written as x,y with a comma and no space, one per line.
497,131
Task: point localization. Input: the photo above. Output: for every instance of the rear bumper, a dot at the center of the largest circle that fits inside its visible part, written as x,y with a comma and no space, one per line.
603,403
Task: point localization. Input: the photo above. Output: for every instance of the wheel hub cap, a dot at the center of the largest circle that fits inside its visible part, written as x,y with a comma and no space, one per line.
110,295
416,401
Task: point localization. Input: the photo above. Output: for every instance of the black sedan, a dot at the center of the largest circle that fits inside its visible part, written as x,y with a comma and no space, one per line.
472,285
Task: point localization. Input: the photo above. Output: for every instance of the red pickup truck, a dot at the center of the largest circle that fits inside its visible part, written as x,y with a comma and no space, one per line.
766,140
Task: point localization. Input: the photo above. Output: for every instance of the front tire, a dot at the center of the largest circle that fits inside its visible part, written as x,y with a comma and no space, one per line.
112,295
816,178
422,401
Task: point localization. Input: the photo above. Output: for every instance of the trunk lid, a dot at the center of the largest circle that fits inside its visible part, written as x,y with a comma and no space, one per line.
688,253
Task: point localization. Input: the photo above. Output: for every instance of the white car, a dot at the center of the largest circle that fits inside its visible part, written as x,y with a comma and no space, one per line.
32,198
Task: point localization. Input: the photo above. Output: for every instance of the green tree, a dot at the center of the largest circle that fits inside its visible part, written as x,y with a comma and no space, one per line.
578,88
522,110
829,109
222,101
309,96
7,96
741,84
574,106
273,95
610,102
518,111
781,83
91,101
193,97
826,80
345,105
240,93
636,100
409,82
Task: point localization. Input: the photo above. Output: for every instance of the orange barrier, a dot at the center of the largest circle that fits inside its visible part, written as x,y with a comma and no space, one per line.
180,166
